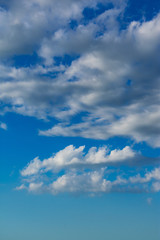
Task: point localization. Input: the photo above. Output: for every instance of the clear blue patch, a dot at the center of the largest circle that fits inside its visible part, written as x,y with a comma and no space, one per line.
147,150
139,11
73,79
129,82
4,5
26,60
78,118
65,60
50,74
73,24
91,13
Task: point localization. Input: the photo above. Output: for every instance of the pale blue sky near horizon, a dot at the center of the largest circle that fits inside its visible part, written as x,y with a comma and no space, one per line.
111,216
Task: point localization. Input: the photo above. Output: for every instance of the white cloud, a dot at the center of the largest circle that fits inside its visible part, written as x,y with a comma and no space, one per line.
3,125
32,168
90,182
156,186
112,82
35,21
24,24
115,108
147,42
100,156
141,126
35,187
149,201
21,187
71,157
71,170
154,174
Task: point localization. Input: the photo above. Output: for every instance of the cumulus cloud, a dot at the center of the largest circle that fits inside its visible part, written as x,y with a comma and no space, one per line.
89,182
71,170
154,174
71,157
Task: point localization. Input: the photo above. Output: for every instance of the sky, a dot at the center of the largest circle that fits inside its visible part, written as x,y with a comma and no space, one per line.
79,119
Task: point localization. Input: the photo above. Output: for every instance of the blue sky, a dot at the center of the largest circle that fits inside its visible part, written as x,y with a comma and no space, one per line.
79,119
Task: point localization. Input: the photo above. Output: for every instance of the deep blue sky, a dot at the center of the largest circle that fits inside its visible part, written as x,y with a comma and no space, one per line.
79,120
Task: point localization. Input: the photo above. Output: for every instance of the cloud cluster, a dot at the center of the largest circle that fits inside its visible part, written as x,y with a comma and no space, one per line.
111,80
72,157
121,78
76,62
24,24
72,170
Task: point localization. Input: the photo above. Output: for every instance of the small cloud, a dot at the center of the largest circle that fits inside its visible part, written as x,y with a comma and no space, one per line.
3,125
21,187
35,187
156,186
149,201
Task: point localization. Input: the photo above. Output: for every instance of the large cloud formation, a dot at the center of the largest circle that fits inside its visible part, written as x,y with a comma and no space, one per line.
111,78
70,59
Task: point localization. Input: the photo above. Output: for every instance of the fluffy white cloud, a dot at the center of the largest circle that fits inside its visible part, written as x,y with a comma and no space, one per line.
154,174
71,157
91,182
87,182
35,187
71,170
